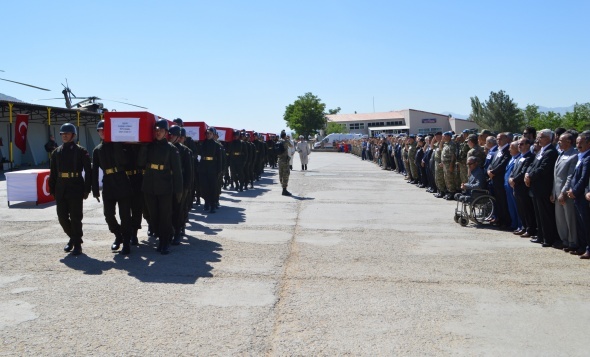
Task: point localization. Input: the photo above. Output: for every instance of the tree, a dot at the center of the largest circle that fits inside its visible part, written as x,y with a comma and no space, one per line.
306,115
334,111
498,113
549,120
530,114
336,128
579,119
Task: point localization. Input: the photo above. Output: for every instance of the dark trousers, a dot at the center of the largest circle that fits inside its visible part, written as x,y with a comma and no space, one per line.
582,222
70,214
526,212
179,211
136,210
237,173
109,210
160,213
208,182
364,154
545,216
502,213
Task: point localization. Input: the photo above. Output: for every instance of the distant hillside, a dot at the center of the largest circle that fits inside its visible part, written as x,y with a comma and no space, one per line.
560,110
9,98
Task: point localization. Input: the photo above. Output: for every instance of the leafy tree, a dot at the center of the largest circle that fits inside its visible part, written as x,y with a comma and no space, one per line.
579,119
530,114
498,113
336,128
306,114
334,111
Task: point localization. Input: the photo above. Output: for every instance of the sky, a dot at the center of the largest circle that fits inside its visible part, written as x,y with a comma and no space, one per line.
240,63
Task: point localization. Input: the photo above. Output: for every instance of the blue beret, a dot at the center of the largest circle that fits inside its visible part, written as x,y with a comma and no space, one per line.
412,136
465,131
448,133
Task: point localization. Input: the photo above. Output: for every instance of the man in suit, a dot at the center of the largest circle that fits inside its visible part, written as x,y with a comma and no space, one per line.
524,203
539,178
515,155
565,212
496,172
578,184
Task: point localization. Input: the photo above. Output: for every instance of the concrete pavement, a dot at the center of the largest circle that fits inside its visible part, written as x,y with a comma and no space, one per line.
357,262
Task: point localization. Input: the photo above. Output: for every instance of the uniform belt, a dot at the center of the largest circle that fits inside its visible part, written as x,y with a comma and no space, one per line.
132,172
208,158
68,174
236,153
156,167
110,171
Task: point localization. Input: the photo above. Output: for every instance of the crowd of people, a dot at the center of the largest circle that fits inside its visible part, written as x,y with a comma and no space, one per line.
540,180
161,181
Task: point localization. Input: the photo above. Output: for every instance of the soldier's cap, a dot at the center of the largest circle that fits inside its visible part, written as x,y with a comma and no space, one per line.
465,131
412,136
485,132
448,133
183,132
472,137
438,133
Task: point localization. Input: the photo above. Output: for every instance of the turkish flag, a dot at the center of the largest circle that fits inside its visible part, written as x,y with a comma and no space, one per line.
20,136
43,195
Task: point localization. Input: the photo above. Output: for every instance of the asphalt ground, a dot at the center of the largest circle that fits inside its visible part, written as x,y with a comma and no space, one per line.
357,262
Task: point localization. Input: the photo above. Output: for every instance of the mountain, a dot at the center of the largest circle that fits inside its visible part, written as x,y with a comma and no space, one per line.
9,98
560,110
455,115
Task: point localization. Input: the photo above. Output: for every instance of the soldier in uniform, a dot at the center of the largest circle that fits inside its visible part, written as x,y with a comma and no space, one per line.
272,155
462,157
116,189
192,145
249,168
210,167
162,183
448,159
179,208
224,166
189,199
475,149
283,158
412,149
135,174
260,156
69,186
237,160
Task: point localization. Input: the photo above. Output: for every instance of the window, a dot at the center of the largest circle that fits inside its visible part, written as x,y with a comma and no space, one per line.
395,123
428,130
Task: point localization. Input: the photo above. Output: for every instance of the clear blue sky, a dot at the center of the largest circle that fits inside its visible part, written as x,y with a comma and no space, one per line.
239,63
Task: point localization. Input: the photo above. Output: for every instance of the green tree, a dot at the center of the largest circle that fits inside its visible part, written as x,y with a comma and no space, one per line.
549,120
334,111
530,114
498,113
579,119
306,115
336,128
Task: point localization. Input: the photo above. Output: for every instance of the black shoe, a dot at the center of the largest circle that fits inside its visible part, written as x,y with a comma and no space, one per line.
68,247
134,240
117,243
176,239
286,193
126,249
537,240
251,184
77,249
164,250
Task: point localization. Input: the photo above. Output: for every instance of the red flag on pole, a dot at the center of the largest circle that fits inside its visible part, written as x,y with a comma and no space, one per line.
21,128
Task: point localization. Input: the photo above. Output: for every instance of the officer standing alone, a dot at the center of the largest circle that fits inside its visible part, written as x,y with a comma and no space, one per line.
69,187
283,157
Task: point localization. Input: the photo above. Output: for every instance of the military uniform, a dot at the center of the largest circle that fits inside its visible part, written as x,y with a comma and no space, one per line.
249,170
116,191
439,176
180,209
70,187
162,183
462,162
260,157
448,159
412,148
237,160
284,170
478,152
210,166
135,173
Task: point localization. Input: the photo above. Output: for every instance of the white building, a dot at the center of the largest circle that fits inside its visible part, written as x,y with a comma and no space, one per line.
409,121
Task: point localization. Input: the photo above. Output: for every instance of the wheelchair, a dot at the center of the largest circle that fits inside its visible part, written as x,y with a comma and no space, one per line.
478,208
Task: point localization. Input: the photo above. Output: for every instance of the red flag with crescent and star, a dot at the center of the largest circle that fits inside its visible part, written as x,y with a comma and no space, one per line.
20,136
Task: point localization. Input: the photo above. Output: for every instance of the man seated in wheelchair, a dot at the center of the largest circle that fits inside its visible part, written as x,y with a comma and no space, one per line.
476,183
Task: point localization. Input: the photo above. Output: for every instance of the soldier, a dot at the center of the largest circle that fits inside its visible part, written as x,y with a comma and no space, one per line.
192,145
237,160
439,176
272,155
116,189
462,169
283,158
475,149
412,149
135,174
210,167
260,156
69,186
448,159
249,168
179,208
223,167
189,199
162,183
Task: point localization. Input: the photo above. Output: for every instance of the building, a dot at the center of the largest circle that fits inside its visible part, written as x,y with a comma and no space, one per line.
409,121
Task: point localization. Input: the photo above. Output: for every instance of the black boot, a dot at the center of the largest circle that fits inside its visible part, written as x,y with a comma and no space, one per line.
302,167
126,246
286,193
176,239
68,247
251,184
290,167
77,249
117,243
164,248
305,167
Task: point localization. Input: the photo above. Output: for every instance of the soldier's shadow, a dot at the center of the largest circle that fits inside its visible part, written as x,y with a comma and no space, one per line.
300,198
223,215
185,264
86,264
194,226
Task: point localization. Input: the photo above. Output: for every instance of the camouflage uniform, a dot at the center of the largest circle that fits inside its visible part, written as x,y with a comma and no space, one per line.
405,158
448,158
439,177
412,160
462,162
284,170
478,152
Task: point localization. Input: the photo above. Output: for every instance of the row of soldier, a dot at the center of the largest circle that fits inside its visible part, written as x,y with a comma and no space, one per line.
540,181
159,181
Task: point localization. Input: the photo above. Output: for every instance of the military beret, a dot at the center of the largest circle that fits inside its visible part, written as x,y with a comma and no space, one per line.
448,133
466,131
485,132
412,136
438,133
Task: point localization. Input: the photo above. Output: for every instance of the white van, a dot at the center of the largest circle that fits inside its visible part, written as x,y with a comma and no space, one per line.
328,141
